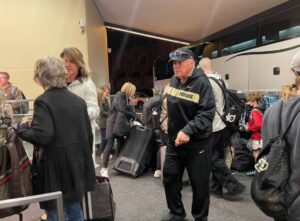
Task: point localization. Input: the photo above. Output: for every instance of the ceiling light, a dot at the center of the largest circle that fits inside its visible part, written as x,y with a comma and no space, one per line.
147,35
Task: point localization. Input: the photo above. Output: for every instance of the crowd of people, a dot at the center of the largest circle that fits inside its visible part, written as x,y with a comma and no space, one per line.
193,132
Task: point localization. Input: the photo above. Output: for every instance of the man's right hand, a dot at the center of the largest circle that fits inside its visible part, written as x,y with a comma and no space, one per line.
181,138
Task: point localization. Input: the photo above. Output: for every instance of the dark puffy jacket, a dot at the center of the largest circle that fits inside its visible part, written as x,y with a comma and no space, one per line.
191,107
120,103
270,129
104,111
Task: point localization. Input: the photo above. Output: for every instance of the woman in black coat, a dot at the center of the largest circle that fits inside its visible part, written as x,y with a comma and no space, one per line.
61,128
116,126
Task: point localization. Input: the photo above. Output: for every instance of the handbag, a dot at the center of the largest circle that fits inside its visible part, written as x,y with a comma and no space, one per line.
122,125
15,176
99,204
37,184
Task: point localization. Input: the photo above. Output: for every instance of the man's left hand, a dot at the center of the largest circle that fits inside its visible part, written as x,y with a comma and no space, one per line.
181,138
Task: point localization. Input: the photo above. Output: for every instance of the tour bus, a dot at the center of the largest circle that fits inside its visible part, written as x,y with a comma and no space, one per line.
251,57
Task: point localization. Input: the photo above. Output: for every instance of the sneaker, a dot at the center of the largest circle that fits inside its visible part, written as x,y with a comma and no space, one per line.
104,172
157,173
237,191
251,173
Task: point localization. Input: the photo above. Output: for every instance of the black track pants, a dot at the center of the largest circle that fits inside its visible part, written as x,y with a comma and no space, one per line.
196,158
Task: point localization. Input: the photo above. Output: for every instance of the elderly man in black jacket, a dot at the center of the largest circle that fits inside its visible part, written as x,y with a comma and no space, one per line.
191,106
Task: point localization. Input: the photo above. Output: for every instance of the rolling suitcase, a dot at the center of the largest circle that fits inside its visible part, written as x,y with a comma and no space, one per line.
136,153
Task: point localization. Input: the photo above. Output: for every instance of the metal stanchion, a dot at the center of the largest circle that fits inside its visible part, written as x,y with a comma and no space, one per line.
57,196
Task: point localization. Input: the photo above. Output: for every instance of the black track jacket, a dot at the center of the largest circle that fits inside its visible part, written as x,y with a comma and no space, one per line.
191,107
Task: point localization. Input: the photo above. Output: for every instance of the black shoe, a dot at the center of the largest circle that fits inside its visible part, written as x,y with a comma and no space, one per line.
217,194
173,217
237,191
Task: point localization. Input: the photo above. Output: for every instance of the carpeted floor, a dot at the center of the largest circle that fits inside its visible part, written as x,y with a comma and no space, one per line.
143,199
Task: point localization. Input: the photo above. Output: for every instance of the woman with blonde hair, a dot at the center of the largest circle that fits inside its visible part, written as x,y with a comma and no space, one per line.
120,105
276,120
288,91
61,129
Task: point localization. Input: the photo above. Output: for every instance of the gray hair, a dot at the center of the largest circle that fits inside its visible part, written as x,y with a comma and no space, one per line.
50,72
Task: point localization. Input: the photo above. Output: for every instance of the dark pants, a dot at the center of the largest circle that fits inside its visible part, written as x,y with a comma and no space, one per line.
279,219
103,140
196,159
161,140
221,174
108,148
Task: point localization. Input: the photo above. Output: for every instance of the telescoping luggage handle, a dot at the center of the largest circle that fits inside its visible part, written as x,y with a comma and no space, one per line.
102,179
140,127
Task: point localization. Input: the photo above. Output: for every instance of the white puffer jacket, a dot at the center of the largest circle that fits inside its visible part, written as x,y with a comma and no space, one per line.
87,91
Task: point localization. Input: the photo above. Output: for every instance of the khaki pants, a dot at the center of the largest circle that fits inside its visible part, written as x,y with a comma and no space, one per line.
228,156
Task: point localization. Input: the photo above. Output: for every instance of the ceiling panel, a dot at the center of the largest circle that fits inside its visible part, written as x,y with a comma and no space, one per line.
188,20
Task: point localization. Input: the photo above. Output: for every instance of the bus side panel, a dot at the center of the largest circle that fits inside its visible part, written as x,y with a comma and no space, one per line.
237,69
255,71
261,66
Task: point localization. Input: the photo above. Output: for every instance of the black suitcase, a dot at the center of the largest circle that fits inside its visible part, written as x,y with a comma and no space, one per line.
136,153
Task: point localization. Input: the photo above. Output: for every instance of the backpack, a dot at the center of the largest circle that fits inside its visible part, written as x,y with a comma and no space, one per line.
234,105
272,167
243,159
151,112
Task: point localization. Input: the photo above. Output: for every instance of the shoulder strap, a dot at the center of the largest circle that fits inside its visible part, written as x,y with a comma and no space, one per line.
220,83
222,86
290,124
23,96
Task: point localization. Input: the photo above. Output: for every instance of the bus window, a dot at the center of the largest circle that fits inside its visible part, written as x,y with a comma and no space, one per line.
214,54
280,26
240,40
294,31
239,47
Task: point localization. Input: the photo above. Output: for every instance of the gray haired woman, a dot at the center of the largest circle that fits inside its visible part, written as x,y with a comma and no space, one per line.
64,137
